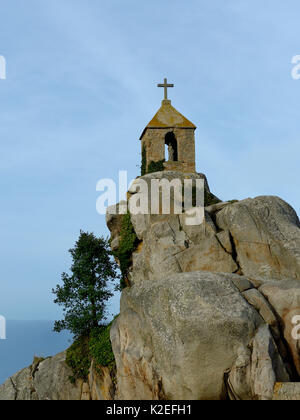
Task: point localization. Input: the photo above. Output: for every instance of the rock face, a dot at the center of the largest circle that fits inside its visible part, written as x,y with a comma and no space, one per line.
210,310
266,238
154,339
194,336
284,297
169,245
49,380
287,392
255,237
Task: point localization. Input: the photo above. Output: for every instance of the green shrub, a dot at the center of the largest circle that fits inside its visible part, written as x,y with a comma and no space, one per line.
128,244
79,360
156,166
96,347
144,161
210,199
100,347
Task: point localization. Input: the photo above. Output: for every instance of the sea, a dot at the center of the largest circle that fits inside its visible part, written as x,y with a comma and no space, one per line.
26,339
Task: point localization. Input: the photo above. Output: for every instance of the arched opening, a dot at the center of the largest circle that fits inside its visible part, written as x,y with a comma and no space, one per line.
171,147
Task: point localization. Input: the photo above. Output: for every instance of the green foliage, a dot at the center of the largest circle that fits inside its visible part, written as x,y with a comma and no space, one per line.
95,347
100,347
85,292
233,201
156,166
79,359
210,199
128,244
144,161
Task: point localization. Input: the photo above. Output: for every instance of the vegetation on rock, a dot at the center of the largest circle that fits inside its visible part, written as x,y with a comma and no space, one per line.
100,347
97,347
128,244
210,199
156,166
78,359
144,161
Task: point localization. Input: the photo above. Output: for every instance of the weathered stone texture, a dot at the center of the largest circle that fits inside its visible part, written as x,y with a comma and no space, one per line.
284,296
182,337
287,391
50,381
265,232
154,143
209,314
191,328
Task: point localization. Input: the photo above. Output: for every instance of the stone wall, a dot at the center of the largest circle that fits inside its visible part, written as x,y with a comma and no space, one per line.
154,142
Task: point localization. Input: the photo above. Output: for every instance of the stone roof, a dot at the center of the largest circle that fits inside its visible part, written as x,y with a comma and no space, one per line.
168,117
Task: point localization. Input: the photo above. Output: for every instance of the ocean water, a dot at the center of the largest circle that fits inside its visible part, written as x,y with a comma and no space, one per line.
26,339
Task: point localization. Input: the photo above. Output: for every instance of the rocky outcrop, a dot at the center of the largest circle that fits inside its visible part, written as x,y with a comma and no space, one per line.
287,392
256,369
208,311
284,297
265,234
195,336
206,314
49,379
154,338
255,237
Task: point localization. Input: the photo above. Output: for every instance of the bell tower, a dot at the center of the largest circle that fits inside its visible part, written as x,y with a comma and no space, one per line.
168,141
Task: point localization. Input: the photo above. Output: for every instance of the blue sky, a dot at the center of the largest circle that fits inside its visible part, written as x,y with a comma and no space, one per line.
80,88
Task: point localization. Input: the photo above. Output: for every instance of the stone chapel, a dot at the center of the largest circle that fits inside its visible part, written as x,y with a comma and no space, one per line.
169,138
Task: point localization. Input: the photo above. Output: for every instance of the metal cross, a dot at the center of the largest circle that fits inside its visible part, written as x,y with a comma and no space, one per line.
165,85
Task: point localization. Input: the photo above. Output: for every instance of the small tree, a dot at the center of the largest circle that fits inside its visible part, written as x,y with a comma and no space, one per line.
85,292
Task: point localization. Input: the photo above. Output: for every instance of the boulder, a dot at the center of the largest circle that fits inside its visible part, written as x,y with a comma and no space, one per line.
101,384
49,380
256,369
284,297
287,391
266,365
177,337
259,238
257,300
18,387
266,237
